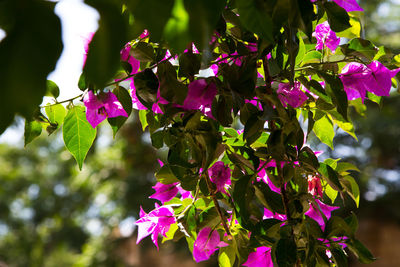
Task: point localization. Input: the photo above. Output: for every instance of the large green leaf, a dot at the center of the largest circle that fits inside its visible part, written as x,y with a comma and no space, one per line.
338,18
28,53
103,58
203,18
323,129
78,134
254,16
176,30
151,14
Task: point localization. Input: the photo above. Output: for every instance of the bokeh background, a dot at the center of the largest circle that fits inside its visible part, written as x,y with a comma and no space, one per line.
53,215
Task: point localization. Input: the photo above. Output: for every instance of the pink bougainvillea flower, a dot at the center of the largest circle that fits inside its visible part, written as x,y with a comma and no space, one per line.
86,43
200,95
164,192
184,193
125,56
358,78
260,258
220,175
325,37
292,96
348,5
102,106
273,215
156,222
144,34
314,185
315,214
206,244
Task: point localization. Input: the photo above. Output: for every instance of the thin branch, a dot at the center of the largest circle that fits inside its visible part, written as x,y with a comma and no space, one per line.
216,204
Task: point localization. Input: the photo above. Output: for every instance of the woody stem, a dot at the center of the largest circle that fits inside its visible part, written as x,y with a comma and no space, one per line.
216,204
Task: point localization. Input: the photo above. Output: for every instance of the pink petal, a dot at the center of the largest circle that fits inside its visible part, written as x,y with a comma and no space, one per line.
349,5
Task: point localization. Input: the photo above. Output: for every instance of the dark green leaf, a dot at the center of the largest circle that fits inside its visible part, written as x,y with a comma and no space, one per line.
242,196
254,16
157,139
334,87
144,52
103,59
360,48
152,15
146,84
203,18
362,253
330,176
189,64
338,18
286,252
126,101
78,134
52,89
165,175
28,53
269,198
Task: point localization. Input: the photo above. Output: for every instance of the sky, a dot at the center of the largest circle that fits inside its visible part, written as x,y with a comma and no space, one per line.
78,21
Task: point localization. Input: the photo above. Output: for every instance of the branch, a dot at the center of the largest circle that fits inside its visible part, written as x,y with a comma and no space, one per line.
216,204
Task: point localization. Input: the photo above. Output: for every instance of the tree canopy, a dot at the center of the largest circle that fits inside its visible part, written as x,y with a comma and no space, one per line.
231,91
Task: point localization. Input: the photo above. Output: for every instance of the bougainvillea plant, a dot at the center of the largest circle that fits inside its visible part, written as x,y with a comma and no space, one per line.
233,90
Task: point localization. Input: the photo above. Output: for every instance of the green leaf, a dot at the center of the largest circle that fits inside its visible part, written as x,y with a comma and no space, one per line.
170,88
78,134
323,129
311,57
28,53
33,129
362,253
337,226
269,198
143,52
152,15
165,175
103,59
226,256
55,113
157,139
254,16
339,257
330,176
126,101
352,188
334,87
52,89
203,18
143,118
176,30
346,126
331,193
338,18
307,157
286,252
189,64
242,196
360,48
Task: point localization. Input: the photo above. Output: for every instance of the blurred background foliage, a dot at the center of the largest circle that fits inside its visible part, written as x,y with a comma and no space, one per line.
53,215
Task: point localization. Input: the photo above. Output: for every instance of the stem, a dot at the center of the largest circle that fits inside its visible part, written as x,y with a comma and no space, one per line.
64,101
285,199
216,204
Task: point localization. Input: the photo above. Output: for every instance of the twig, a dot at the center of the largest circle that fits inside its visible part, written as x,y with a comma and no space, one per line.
216,204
